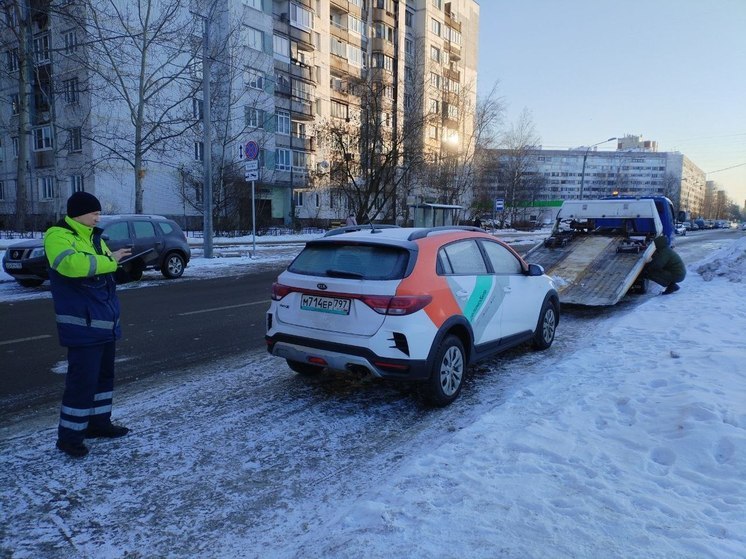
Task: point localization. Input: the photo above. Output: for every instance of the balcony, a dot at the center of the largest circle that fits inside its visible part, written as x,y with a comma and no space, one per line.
453,50
453,75
343,5
295,142
340,32
43,159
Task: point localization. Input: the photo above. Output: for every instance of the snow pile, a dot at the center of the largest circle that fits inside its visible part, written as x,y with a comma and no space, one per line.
729,263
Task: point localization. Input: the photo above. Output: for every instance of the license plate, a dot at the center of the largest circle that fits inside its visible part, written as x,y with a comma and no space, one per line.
13,265
332,305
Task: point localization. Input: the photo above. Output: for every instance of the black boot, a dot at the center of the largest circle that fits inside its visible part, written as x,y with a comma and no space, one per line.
109,431
76,450
672,288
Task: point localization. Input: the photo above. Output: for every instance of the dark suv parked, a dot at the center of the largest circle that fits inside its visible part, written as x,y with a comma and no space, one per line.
27,262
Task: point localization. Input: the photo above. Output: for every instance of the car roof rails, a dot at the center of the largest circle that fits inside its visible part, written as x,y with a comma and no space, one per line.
366,227
422,233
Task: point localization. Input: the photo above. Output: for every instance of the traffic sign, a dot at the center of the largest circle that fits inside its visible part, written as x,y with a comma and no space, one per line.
251,165
499,204
252,175
252,150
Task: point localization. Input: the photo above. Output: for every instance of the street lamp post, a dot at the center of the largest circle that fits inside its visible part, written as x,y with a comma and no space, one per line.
585,158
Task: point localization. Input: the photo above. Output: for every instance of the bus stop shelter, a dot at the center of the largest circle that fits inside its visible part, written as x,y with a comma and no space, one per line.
434,215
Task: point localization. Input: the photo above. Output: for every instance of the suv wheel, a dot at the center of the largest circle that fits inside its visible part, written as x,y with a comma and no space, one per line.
173,265
545,328
304,368
447,376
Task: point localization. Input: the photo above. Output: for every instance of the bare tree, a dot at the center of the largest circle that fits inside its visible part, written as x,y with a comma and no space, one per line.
143,59
459,167
368,161
518,177
241,109
17,25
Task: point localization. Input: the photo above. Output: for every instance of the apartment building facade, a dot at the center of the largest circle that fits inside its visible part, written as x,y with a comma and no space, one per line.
556,175
281,78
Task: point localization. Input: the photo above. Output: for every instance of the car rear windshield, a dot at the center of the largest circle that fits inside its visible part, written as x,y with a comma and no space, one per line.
352,260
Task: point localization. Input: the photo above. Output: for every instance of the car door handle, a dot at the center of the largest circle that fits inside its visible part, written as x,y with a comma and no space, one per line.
507,289
462,293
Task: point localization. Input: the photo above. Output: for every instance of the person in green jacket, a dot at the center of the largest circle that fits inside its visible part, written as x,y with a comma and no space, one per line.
666,267
82,273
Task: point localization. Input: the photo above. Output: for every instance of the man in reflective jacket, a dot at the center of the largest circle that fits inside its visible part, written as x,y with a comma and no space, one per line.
81,273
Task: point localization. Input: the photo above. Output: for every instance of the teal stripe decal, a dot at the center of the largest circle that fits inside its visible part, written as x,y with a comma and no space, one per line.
476,301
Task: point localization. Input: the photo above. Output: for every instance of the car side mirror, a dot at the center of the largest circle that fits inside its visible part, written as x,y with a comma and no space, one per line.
535,270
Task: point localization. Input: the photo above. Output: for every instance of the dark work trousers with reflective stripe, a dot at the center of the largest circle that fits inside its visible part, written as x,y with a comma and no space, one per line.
88,390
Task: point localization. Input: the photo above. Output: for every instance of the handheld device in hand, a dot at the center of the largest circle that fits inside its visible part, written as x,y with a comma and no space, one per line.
133,256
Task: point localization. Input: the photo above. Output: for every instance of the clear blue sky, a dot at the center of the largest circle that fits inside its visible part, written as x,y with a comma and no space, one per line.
673,71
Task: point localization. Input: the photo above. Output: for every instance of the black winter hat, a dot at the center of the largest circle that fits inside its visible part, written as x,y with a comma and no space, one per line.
81,203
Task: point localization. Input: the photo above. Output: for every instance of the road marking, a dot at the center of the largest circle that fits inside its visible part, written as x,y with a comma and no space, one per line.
29,339
225,308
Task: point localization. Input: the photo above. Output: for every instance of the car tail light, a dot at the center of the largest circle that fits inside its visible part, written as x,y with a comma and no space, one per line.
279,291
397,306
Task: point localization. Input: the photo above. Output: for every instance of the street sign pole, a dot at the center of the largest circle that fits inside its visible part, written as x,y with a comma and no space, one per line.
251,151
253,221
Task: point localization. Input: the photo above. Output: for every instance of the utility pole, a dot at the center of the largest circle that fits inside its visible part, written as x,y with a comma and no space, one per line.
206,140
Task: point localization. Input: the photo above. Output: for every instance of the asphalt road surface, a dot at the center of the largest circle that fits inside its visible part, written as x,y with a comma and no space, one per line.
164,329
178,325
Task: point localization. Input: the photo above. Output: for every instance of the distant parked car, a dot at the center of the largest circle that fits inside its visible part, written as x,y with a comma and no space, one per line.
743,226
27,262
680,229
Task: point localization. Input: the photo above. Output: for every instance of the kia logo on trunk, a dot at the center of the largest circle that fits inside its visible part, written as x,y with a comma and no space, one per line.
321,286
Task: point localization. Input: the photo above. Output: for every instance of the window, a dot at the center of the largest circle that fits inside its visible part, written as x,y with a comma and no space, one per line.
435,80
143,229
46,188
197,107
337,47
76,184
282,48
15,103
254,38
503,261
71,41
299,129
435,54
199,151
10,17
254,78
14,141
409,48
358,3
76,140
435,26
41,49
254,117
340,110
355,56
383,31
380,60
282,159
355,25
2,190
408,17
302,90
11,57
283,122
300,161
434,106
301,17
42,138
70,88
298,195
438,4
453,112
256,4
461,257
118,231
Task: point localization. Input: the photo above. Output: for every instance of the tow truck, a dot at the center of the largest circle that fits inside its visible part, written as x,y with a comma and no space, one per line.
598,248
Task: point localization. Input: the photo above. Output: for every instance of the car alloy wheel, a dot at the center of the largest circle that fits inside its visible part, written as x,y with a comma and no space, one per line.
447,376
546,327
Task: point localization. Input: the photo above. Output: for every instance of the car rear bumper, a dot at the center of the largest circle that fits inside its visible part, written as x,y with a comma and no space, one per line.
340,357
